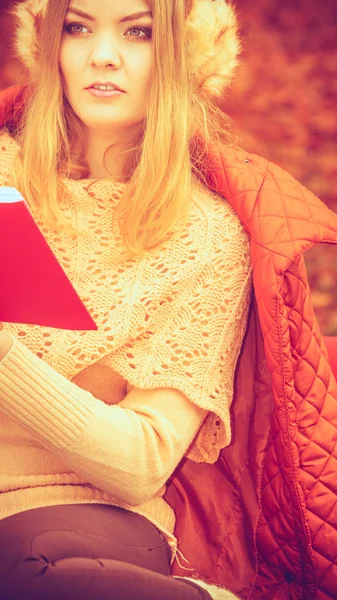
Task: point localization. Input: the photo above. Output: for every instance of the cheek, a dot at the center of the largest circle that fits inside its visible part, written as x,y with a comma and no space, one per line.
141,76
62,65
67,64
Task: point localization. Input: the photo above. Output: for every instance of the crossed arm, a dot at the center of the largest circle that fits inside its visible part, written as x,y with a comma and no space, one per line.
128,450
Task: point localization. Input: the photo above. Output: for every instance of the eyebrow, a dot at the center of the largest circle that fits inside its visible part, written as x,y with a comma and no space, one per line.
85,15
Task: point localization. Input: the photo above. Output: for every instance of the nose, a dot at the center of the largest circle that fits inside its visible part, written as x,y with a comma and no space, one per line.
105,51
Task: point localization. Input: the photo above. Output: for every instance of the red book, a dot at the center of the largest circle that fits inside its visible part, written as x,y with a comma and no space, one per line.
33,286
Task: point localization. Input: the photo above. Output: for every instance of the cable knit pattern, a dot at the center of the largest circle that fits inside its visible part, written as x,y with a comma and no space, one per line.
174,319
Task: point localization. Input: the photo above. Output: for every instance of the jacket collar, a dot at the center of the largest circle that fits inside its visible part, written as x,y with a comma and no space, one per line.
282,217
11,101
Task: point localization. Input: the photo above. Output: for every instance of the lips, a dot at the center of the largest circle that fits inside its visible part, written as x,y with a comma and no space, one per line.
107,83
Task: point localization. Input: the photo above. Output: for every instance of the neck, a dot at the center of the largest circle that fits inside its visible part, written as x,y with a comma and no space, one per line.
105,156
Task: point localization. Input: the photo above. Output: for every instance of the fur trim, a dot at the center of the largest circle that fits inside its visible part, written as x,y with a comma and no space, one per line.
213,45
212,33
28,16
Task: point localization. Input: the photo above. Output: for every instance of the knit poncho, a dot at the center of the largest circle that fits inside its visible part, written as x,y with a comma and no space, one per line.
174,319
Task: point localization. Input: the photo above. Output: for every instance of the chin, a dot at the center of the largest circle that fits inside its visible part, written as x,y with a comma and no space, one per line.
102,124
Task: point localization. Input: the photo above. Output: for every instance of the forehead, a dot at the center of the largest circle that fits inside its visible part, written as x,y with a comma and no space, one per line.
110,7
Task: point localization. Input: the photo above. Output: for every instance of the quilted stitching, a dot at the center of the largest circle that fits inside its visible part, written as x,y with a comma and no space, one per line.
294,516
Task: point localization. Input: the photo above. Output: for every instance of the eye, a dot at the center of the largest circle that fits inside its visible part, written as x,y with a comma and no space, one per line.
76,29
70,28
146,30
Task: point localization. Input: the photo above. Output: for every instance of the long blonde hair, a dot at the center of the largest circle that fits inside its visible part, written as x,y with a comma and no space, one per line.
181,119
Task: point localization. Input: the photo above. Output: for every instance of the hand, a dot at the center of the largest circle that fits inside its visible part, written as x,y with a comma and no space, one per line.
5,344
103,382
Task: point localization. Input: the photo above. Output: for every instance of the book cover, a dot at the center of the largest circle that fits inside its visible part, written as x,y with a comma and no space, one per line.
34,289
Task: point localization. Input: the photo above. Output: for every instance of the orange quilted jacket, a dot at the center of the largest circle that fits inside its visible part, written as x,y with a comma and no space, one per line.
262,521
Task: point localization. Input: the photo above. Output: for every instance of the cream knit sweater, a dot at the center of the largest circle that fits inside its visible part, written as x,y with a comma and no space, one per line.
174,320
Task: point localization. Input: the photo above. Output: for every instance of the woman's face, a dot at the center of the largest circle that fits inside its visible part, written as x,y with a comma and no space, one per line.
101,46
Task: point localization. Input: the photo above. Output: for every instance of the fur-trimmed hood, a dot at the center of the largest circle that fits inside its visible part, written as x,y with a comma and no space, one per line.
212,31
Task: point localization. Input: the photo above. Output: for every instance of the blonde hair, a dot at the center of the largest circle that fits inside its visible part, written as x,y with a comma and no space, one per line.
183,116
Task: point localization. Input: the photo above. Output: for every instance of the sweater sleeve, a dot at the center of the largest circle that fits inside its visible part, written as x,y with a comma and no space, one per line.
128,450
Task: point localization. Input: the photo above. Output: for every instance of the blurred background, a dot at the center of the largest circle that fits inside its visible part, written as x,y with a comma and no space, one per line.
284,103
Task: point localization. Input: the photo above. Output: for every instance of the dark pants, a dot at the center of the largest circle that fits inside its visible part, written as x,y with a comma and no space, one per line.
86,552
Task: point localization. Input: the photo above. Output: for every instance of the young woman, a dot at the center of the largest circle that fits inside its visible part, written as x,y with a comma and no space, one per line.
164,455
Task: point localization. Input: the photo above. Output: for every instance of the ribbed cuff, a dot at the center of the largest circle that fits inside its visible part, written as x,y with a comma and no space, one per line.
42,400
